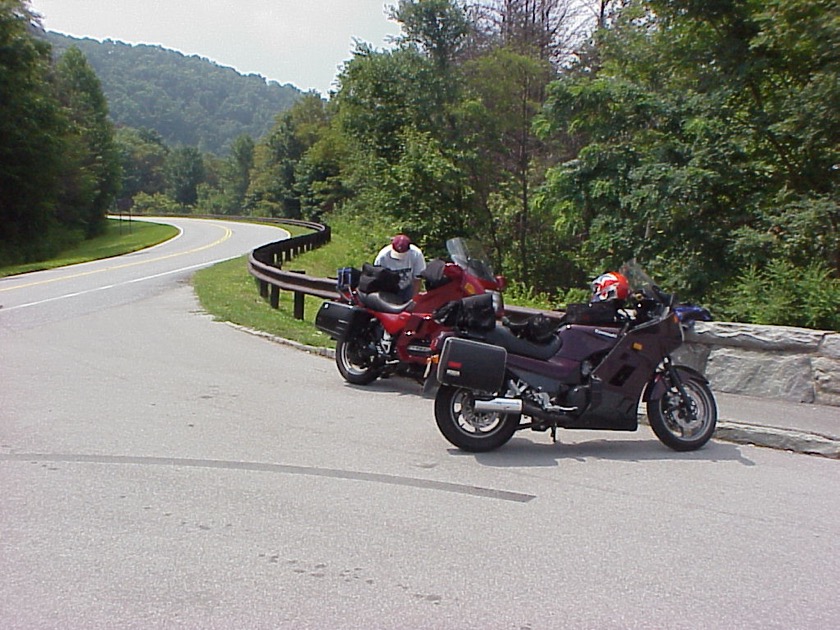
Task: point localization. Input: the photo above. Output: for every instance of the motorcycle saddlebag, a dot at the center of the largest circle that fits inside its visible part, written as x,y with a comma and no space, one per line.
474,313
337,319
373,279
472,364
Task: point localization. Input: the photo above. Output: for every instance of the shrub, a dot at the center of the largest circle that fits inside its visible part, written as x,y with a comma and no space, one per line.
784,295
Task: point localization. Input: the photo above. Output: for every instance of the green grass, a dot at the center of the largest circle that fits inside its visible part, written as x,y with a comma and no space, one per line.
121,237
229,293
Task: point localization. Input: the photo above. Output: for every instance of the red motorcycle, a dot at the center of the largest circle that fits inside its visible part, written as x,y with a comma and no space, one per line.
377,337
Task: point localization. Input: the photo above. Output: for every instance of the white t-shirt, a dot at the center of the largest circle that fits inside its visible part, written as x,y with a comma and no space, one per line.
409,267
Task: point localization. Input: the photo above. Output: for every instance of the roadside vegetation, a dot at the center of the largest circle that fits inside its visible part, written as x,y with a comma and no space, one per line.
700,138
229,293
120,237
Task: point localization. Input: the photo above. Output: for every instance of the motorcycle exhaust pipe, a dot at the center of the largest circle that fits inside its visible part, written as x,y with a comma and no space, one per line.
498,405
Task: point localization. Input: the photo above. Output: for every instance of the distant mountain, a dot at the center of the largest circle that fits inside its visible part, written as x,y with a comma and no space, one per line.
188,100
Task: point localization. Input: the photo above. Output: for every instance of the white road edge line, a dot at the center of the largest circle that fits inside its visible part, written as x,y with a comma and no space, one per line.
111,286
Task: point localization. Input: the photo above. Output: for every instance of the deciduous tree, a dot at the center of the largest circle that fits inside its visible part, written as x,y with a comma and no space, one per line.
92,170
31,138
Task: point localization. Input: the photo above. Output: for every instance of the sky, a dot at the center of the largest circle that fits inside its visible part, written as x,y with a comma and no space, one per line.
301,42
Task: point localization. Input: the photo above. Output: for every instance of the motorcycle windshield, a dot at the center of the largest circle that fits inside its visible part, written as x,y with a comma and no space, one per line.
471,257
637,277
640,282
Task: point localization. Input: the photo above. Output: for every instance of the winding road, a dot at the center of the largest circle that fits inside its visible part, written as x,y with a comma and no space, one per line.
159,469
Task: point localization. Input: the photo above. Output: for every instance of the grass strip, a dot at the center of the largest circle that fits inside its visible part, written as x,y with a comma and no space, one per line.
229,293
120,237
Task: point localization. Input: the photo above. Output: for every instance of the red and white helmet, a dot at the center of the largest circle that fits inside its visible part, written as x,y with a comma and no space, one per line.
610,286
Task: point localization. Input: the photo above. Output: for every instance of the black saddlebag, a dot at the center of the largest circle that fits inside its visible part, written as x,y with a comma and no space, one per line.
474,313
472,364
337,319
373,279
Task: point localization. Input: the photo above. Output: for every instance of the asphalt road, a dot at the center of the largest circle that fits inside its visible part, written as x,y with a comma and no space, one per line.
159,469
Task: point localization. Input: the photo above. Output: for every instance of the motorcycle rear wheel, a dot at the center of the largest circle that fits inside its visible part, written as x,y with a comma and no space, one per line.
462,426
671,423
354,361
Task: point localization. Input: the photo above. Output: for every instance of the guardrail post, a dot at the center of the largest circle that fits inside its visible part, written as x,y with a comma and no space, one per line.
266,264
299,302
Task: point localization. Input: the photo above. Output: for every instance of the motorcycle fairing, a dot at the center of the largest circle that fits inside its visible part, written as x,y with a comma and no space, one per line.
393,323
619,380
630,364
625,360
608,410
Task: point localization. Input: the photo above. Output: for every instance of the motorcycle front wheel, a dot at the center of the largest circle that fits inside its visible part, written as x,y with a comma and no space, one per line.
472,431
355,361
671,422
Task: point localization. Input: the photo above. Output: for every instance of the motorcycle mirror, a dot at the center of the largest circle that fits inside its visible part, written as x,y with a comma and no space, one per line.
502,282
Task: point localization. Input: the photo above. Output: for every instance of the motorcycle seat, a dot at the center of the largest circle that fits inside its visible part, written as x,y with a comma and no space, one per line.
502,336
376,302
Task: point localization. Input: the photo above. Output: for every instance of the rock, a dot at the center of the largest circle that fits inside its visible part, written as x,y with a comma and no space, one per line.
752,337
767,374
827,380
694,355
830,346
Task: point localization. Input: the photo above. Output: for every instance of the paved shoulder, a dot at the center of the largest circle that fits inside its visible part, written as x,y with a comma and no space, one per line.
801,428
798,427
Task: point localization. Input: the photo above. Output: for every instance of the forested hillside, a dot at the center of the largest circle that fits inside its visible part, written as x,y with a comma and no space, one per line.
188,100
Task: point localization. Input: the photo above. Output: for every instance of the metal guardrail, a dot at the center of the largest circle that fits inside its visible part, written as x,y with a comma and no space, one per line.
265,264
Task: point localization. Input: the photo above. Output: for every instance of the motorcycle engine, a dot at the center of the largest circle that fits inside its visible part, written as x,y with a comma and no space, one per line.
569,399
578,397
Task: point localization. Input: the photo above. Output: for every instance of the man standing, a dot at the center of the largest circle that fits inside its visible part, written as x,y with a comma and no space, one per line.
407,260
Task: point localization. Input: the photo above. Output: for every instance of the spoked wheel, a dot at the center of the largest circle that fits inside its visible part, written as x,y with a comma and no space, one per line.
356,361
467,429
671,422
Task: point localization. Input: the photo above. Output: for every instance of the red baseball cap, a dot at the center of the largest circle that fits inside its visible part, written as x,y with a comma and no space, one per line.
400,244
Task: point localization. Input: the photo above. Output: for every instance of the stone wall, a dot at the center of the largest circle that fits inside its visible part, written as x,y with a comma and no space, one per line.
793,364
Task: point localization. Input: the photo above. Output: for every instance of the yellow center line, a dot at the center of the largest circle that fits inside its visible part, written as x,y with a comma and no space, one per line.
227,234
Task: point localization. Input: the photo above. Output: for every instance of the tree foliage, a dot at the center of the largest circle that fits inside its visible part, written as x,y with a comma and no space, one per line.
31,139
59,166
92,172
710,141
142,156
